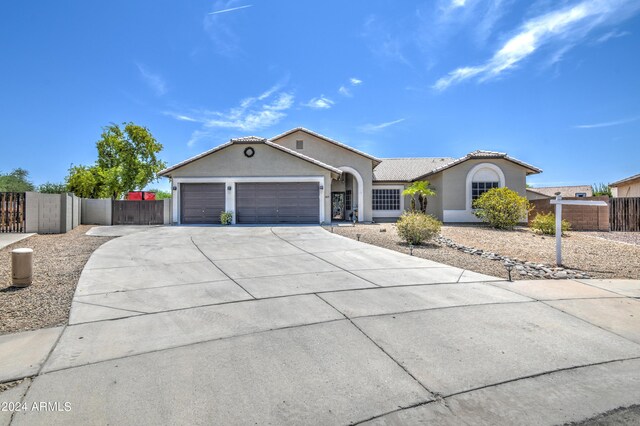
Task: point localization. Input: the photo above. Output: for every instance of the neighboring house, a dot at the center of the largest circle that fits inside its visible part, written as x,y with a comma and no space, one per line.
303,177
628,187
565,191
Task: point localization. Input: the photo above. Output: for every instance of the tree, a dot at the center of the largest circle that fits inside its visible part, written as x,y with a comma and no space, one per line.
161,195
501,208
52,188
601,189
422,189
16,181
127,161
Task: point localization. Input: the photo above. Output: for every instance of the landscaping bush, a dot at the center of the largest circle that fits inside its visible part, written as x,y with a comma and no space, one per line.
501,208
226,218
545,223
417,227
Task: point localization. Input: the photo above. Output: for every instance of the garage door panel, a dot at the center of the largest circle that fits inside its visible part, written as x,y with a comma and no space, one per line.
277,202
201,203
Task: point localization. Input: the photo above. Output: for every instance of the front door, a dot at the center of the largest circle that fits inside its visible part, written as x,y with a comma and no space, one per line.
337,205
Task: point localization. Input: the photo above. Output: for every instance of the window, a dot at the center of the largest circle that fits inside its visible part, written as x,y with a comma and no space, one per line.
479,188
386,199
347,200
581,194
299,144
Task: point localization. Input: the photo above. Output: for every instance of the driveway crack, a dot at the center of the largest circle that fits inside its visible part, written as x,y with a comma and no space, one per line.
219,269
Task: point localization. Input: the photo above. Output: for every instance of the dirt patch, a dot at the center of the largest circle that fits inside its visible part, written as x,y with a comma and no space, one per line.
58,262
600,258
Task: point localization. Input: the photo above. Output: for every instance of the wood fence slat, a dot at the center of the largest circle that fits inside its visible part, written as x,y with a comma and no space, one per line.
12,211
625,214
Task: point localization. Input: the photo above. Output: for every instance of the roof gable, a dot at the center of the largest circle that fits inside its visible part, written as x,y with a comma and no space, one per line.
326,139
406,169
250,140
630,179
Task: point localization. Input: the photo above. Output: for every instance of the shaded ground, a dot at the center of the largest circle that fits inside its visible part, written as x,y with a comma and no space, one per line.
620,417
58,262
599,257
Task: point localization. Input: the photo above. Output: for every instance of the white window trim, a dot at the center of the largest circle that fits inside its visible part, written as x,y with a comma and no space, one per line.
467,215
388,213
230,195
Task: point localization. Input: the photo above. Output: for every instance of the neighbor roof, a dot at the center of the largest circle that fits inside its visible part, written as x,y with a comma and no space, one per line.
565,191
625,180
480,154
406,169
328,139
255,140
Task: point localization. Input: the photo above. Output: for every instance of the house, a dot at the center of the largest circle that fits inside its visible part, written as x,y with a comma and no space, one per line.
565,191
628,187
301,176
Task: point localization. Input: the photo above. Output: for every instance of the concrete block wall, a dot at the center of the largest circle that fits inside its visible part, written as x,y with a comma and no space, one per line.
581,218
96,211
167,211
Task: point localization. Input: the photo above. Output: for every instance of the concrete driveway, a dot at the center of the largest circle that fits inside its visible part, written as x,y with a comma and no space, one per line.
295,325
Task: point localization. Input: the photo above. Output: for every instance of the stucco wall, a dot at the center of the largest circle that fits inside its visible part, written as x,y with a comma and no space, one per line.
266,162
335,156
454,181
96,211
532,196
631,189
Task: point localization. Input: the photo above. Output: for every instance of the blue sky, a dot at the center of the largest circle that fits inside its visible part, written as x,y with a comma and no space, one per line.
553,83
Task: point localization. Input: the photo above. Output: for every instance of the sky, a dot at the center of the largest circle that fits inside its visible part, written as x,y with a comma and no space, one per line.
553,83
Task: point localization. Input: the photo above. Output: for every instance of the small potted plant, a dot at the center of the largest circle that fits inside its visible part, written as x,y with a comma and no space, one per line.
226,218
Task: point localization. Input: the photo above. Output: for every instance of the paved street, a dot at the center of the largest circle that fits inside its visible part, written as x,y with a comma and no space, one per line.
295,325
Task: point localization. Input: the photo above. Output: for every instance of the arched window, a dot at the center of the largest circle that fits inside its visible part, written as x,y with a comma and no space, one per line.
482,178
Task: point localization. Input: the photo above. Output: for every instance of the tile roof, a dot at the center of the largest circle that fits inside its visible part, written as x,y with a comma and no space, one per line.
406,169
328,139
565,191
256,140
625,180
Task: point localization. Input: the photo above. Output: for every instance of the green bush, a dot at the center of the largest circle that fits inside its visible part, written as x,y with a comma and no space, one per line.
226,218
545,223
417,227
501,208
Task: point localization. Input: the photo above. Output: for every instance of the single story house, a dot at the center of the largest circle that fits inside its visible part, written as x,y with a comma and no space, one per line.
301,176
565,191
627,187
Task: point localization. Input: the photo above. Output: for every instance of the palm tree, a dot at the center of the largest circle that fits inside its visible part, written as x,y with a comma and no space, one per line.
421,188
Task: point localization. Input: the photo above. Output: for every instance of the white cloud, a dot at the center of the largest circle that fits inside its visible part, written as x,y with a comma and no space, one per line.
253,113
231,9
372,128
355,81
154,81
611,35
607,124
344,91
320,103
565,26
457,3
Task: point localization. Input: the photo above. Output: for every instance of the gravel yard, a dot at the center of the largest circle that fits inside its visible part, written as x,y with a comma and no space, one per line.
599,257
58,261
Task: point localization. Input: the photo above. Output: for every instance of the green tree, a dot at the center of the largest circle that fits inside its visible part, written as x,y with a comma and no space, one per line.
52,188
161,195
16,181
422,189
501,208
601,189
127,161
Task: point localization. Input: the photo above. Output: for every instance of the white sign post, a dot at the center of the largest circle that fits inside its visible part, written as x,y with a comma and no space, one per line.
559,202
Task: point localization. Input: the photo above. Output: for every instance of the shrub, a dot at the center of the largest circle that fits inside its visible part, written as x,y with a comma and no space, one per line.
417,227
226,218
545,223
501,208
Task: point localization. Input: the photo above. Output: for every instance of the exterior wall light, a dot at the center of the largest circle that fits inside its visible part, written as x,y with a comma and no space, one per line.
175,188
229,188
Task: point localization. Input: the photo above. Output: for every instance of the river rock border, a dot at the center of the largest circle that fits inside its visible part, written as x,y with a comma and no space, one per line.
522,268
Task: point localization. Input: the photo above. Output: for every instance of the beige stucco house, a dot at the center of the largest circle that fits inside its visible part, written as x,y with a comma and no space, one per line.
301,176
547,192
627,187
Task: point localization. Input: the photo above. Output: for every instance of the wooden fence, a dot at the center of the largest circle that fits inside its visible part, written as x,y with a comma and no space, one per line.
138,212
624,214
12,211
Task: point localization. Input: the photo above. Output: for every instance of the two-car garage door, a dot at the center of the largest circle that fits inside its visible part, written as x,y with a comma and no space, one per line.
256,202
277,202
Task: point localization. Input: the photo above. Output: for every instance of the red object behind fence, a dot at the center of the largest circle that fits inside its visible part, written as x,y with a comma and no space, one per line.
140,195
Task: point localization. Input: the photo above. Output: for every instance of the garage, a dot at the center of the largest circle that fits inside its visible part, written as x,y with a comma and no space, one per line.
201,203
277,202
